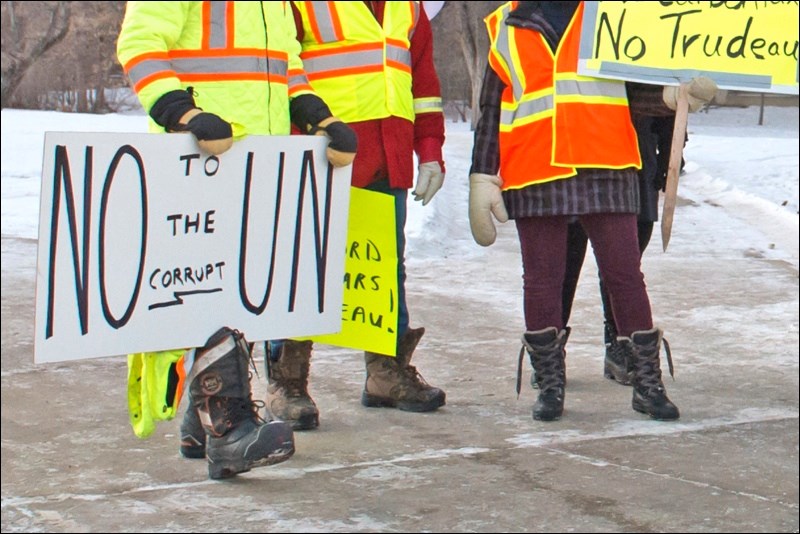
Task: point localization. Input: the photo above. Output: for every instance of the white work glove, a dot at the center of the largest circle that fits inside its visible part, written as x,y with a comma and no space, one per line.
429,181
485,200
700,91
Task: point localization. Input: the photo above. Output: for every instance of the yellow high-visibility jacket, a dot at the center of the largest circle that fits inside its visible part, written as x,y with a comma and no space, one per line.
360,67
241,59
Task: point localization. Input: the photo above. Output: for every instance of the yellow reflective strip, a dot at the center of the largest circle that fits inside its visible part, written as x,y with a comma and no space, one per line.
606,166
428,105
519,73
533,118
568,173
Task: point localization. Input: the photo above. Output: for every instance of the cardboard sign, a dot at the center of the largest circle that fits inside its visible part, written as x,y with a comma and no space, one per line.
147,244
369,312
750,46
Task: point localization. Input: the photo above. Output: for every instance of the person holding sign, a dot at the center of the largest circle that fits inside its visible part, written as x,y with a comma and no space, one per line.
373,63
654,133
222,71
550,146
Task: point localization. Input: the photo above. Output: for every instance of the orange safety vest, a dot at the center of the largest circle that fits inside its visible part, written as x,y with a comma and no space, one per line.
362,69
552,120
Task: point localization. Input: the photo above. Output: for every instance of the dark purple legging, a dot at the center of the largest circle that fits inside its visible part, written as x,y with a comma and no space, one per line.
543,241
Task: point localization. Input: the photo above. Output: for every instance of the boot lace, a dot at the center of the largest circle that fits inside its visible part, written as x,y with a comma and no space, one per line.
548,366
519,370
242,409
410,372
549,372
648,369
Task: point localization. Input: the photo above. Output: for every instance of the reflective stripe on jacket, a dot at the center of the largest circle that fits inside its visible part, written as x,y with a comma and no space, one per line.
241,59
553,120
361,68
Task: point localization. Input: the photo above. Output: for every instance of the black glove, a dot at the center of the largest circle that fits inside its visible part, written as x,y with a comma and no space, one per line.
168,110
207,127
343,138
307,111
213,134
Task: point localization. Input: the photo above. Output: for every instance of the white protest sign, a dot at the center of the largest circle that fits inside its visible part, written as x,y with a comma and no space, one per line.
146,243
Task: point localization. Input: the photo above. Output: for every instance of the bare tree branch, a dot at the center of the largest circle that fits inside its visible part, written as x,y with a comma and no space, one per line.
34,28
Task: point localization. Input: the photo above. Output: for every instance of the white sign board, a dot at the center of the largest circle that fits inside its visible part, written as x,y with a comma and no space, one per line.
146,243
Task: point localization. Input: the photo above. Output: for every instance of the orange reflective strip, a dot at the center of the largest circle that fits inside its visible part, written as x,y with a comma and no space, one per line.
206,25
229,25
335,22
396,42
147,80
399,66
293,90
234,76
341,50
279,55
312,20
145,57
343,72
181,372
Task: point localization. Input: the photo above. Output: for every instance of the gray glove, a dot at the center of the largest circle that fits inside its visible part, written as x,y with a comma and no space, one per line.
700,92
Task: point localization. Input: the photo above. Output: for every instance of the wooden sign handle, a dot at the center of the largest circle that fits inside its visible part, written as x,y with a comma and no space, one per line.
673,172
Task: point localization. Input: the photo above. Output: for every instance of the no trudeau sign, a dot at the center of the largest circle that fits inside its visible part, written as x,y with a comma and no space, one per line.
147,244
750,46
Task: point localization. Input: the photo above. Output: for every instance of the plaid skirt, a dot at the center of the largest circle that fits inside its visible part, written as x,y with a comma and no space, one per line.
590,191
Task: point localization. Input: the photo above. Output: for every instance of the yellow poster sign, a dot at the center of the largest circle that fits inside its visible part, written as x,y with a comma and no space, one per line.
750,46
369,307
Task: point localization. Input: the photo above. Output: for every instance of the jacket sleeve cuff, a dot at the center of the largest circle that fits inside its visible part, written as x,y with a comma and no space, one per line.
428,149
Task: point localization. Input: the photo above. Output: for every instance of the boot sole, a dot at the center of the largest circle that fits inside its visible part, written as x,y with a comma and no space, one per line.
372,401
276,448
305,422
555,416
231,469
548,418
643,409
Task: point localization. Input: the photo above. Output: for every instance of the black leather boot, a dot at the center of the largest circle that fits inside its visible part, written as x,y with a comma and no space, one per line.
618,363
237,439
546,350
649,394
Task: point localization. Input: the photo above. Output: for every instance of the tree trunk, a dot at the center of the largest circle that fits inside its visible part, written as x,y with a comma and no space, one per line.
22,48
474,41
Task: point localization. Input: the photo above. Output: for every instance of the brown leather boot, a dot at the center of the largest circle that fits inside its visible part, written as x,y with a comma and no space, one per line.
394,383
287,390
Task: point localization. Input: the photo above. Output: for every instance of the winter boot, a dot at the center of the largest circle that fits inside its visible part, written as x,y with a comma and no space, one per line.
193,435
619,360
546,350
237,439
287,391
649,395
394,383
534,383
